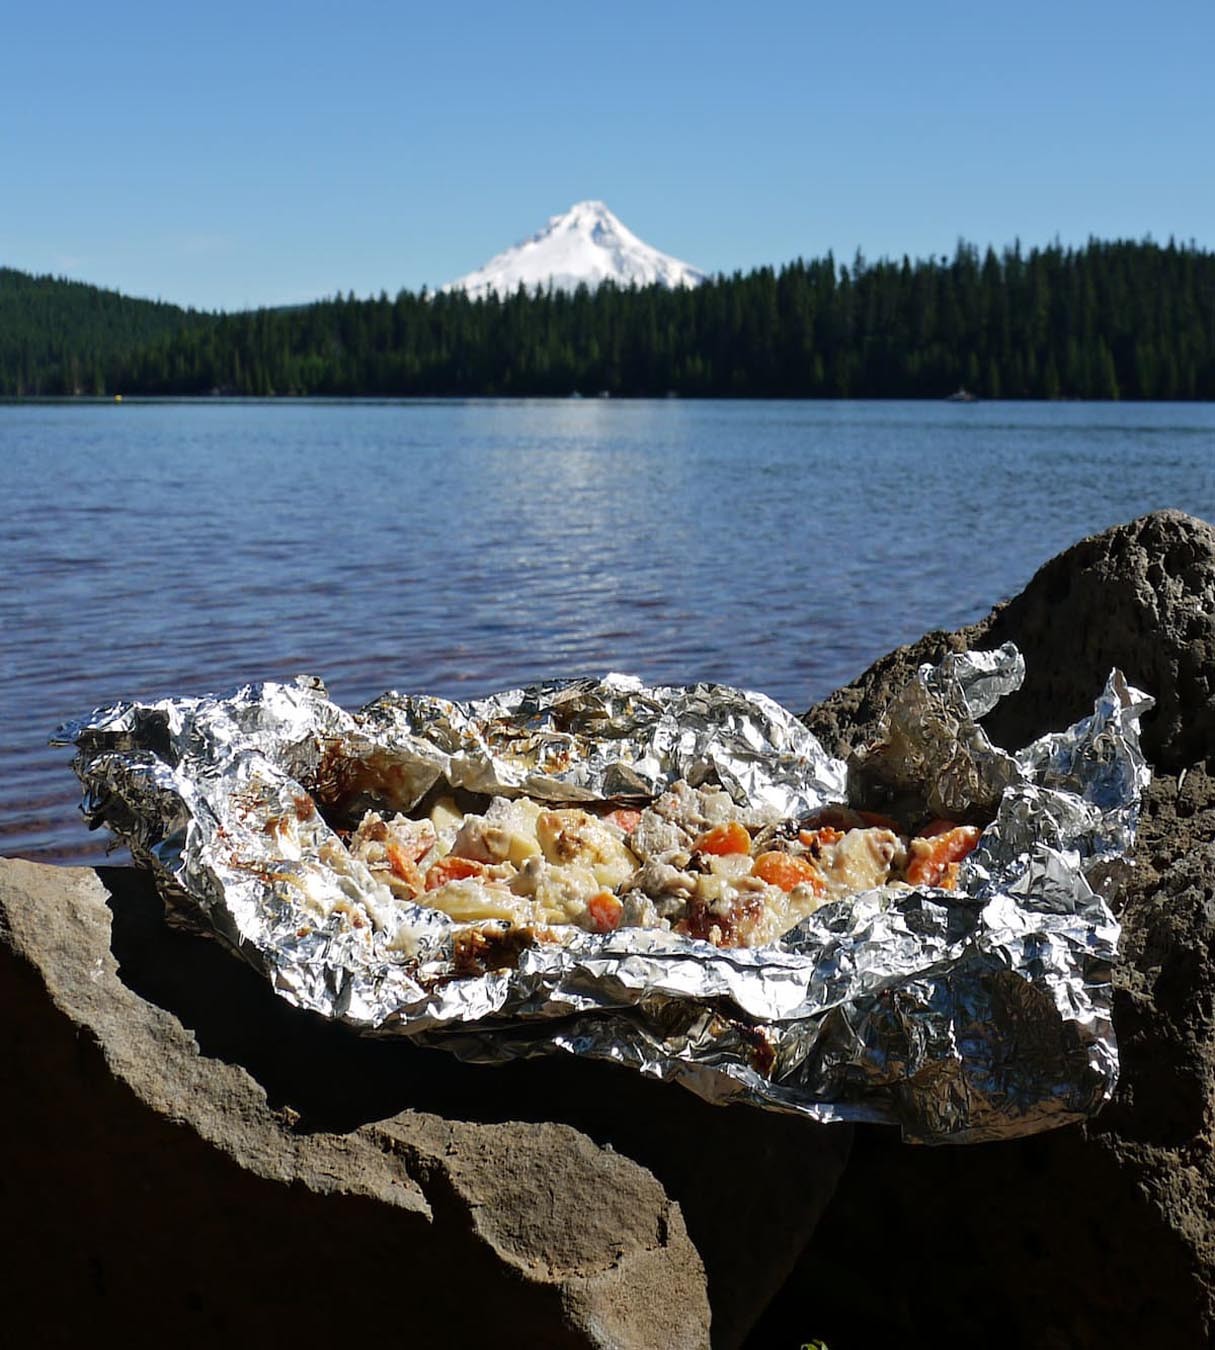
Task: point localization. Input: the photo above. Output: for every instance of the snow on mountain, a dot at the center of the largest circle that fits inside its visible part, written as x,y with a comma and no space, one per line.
585,244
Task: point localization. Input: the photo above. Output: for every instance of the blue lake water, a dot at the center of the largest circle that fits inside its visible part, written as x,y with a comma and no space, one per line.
154,548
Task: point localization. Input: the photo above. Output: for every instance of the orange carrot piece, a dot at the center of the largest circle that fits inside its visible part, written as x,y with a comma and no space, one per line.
403,865
605,911
931,858
786,871
824,835
723,839
451,869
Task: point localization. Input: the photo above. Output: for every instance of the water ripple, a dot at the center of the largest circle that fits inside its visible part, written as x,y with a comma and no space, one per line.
460,547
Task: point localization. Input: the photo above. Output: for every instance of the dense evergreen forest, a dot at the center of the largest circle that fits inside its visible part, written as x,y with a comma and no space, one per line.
1109,320
66,337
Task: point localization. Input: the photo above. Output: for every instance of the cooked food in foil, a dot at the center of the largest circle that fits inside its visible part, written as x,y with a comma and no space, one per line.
694,863
676,879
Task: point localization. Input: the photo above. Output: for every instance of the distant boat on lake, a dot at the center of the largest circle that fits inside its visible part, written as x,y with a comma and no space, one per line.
961,396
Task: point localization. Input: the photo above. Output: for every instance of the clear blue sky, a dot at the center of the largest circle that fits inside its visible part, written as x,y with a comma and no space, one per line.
227,154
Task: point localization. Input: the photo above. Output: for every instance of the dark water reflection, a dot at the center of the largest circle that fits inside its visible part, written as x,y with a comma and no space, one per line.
155,548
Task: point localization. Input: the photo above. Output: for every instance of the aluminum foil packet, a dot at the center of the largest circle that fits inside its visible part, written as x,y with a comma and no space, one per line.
961,1016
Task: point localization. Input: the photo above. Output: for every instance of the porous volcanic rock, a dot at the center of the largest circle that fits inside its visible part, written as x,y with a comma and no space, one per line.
1100,1235
189,1160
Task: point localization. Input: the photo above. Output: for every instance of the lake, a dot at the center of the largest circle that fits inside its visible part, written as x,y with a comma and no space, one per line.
155,548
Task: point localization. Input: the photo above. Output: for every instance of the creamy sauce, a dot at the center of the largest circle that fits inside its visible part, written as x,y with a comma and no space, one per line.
693,862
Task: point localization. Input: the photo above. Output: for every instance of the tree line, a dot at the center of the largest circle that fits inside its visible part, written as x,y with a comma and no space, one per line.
67,337
1107,320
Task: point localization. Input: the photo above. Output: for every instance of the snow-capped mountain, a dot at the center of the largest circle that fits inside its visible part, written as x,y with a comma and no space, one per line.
586,244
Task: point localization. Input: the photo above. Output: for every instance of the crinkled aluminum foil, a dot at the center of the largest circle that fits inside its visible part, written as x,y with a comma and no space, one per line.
930,742
965,1016
586,740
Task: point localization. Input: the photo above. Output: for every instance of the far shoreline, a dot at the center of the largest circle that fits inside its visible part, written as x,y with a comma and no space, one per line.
334,400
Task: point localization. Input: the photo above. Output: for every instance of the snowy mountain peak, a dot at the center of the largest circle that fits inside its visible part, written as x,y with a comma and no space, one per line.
585,245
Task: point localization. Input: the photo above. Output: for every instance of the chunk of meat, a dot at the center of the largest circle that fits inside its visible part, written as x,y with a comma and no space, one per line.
662,879
723,921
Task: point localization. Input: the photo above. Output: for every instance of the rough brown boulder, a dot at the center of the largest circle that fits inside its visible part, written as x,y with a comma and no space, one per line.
1094,1236
189,1160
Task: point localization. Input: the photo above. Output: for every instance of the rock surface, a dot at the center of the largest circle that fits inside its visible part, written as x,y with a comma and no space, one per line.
1093,1236
190,1158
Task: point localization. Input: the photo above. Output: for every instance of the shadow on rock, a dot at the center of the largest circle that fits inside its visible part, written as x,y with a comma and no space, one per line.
750,1184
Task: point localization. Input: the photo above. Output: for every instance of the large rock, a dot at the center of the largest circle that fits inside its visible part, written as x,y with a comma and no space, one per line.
189,1158
1094,1236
